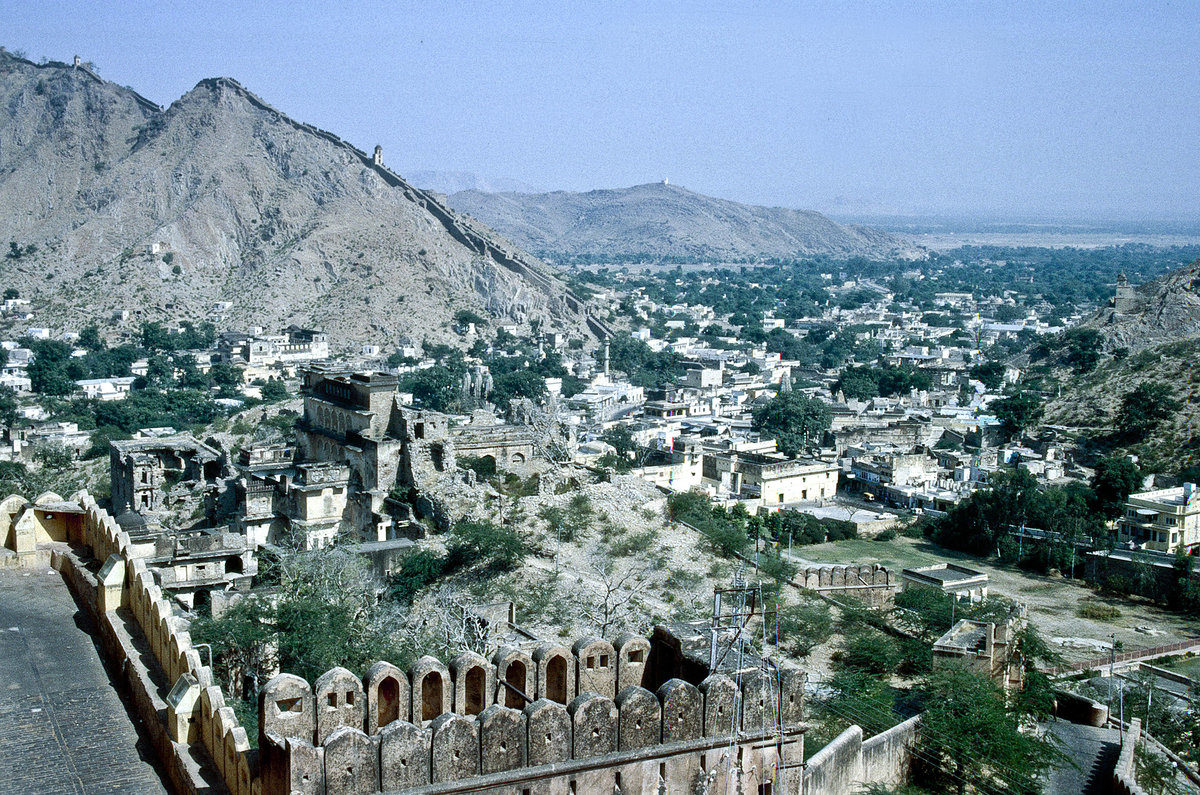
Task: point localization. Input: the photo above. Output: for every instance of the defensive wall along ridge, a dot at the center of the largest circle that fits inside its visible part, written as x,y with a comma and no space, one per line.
598,716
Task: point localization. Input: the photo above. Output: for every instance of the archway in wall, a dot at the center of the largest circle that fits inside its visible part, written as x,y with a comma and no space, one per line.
518,458
476,683
233,565
556,679
431,696
437,454
387,708
515,676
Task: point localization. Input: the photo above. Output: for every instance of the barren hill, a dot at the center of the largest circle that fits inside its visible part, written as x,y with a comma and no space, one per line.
116,204
1160,311
658,220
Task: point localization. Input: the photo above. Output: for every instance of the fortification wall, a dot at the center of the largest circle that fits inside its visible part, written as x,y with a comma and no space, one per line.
1125,773
549,721
849,764
870,583
559,719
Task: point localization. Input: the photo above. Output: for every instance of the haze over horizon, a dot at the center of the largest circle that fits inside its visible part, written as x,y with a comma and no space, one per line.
1011,110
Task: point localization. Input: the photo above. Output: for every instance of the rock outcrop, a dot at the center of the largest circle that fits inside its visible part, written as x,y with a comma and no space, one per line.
1161,311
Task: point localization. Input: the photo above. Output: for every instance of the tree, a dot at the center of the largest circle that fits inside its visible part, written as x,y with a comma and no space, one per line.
1145,407
795,421
498,547
8,406
1082,348
1115,479
11,293
434,388
89,338
274,390
1018,413
970,736
225,374
991,374
518,384
621,438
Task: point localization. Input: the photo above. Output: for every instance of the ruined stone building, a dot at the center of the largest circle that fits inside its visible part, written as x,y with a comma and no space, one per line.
358,454
991,649
162,474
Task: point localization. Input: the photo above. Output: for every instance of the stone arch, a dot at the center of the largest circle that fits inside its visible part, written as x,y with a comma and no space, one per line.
593,724
387,696
471,683
430,690
632,654
454,748
556,672
501,739
720,705
595,667
351,763
514,672
548,732
517,458
682,711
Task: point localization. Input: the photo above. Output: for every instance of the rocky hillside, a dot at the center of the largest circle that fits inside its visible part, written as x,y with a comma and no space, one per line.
113,203
660,220
1162,311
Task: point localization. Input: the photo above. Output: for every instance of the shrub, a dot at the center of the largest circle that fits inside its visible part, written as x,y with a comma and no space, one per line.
1098,611
886,535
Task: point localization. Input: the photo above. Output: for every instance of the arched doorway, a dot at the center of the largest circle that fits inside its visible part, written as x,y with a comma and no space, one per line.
556,679
431,696
387,708
475,685
515,676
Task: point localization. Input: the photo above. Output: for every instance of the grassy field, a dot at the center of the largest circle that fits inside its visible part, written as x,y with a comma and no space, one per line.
1188,666
898,554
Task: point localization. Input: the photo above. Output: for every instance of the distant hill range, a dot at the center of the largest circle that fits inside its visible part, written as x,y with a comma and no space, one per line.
114,203
448,182
658,220
1164,310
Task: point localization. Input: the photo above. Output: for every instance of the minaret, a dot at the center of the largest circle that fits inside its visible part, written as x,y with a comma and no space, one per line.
377,158
606,357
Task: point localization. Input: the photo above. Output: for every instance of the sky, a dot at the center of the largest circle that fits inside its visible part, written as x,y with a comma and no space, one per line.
1056,110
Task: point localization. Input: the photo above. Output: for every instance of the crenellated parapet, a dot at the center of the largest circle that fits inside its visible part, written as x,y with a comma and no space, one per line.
438,723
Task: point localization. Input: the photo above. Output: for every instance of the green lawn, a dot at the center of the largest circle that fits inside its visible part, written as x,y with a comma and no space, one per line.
902,553
1188,666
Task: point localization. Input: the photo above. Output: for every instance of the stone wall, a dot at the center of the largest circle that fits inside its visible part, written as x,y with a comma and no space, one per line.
870,583
516,719
849,764
1125,773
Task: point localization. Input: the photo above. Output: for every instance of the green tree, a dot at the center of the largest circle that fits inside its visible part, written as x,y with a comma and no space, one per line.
970,737
89,338
274,390
498,547
434,388
621,438
1081,348
1115,478
8,407
1017,413
1145,407
991,374
795,421
225,374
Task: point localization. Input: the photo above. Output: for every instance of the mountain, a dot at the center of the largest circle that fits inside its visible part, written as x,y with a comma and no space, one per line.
114,203
1164,310
659,220
448,182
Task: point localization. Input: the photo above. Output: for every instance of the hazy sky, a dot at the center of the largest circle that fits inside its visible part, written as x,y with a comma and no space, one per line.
1075,109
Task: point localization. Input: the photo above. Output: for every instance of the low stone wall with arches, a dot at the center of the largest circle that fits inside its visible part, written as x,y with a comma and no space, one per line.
570,720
